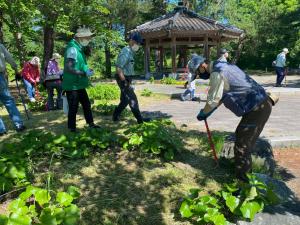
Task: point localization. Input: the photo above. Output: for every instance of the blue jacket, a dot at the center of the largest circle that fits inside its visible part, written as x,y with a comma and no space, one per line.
244,94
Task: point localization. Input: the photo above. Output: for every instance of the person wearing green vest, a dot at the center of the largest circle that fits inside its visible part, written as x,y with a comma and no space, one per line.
76,78
125,72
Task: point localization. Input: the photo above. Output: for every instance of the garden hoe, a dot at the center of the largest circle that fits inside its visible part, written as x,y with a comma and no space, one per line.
22,98
211,143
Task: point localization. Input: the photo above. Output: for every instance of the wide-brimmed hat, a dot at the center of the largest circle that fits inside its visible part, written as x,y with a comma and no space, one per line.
83,32
285,50
35,61
56,56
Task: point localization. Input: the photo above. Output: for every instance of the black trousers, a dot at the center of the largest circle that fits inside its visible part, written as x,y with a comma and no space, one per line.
51,85
74,97
247,134
128,97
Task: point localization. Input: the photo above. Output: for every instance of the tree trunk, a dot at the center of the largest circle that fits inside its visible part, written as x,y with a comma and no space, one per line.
1,26
20,48
107,60
238,50
48,46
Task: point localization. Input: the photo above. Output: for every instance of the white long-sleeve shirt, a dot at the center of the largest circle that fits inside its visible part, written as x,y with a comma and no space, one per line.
217,85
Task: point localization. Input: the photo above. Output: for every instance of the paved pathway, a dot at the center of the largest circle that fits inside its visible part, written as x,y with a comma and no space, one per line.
282,129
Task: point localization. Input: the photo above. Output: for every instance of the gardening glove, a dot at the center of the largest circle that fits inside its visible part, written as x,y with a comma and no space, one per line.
89,72
203,116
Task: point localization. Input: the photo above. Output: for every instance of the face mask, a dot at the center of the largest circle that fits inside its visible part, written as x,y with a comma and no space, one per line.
135,47
84,42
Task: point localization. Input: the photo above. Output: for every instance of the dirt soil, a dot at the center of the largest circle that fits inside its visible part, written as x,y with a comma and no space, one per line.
289,160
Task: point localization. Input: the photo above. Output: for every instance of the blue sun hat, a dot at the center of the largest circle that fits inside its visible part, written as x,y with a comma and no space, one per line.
195,62
136,37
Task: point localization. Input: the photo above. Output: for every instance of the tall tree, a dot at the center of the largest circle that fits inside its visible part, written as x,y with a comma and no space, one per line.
19,16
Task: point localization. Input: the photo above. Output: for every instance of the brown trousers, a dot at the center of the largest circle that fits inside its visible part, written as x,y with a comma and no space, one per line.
247,133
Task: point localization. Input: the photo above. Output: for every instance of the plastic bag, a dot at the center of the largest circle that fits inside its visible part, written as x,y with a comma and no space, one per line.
65,104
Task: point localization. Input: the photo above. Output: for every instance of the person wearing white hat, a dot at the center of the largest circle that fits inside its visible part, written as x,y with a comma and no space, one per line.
223,55
280,65
31,76
53,81
76,78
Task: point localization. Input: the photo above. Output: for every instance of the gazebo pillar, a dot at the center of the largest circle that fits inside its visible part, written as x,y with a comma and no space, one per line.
206,49
147,60
173,47
161,59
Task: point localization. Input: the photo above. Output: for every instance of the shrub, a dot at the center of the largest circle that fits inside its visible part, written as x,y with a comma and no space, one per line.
146,92
156,137
168,80
232,201
104,92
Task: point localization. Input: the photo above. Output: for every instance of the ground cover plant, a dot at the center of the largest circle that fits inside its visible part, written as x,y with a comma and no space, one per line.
133,186
156,137
234,201
41,206
104,92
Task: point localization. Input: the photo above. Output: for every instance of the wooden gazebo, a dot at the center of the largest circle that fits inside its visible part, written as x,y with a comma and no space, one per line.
183,29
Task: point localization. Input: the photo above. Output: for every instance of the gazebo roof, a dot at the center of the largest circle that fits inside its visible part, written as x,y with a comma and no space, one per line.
183,22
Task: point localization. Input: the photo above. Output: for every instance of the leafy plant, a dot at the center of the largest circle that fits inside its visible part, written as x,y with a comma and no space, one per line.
37,144
104,92
232,201
39,206
218,140
168,80
156,137
107,109
151,80
146,92
12,172
39,105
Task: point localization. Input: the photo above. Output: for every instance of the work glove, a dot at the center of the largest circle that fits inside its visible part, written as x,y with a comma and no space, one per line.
89,72
203,116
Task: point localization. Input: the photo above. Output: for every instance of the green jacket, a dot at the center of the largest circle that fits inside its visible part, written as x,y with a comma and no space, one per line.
73,81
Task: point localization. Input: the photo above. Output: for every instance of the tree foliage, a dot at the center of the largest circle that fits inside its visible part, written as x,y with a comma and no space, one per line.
46,25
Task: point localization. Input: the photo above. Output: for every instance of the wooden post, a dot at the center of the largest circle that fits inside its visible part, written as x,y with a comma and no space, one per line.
206,46
147,60
161,59
185,55
218,49
173,46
